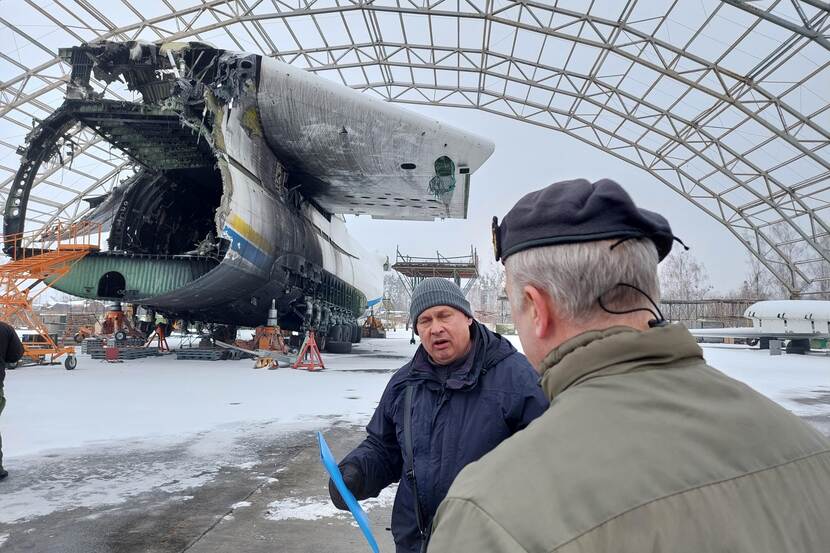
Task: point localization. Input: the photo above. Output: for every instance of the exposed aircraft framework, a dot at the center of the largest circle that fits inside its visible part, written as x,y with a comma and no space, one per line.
726,102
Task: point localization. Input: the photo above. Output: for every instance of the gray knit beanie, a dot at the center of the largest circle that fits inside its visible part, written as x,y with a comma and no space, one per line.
437,291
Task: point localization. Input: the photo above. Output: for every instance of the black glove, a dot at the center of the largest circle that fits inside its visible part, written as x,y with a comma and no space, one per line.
353,478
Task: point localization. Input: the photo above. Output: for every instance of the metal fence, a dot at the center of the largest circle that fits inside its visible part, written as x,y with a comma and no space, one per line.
709,313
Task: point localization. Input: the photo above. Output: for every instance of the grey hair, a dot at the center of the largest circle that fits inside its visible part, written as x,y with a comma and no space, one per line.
576,275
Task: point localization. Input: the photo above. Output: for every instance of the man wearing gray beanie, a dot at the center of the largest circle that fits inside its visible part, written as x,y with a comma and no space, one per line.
465,391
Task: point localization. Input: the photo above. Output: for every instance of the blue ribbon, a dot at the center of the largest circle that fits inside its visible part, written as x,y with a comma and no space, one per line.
331,467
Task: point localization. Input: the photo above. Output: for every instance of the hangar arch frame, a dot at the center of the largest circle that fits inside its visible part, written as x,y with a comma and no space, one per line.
727,103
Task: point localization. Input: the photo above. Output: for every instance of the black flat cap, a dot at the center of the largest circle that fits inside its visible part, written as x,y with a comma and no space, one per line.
578,211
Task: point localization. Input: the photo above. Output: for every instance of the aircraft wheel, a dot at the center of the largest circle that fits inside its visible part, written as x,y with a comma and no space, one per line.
798,347
70,363
336,334
338,347
120,336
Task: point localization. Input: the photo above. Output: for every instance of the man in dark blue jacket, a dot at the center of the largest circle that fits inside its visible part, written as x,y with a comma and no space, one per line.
464,392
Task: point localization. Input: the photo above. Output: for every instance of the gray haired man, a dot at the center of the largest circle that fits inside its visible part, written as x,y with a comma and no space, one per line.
644,446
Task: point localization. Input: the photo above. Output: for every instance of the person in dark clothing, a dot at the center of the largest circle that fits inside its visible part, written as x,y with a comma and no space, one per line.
465,391
11,350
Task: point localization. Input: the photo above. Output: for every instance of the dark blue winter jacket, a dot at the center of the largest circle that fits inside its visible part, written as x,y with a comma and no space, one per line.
488,399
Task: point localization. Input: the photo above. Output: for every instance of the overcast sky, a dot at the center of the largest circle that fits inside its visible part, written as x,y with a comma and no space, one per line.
527,158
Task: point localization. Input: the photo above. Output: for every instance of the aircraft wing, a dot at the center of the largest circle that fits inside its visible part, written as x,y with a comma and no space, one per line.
352,153
751,332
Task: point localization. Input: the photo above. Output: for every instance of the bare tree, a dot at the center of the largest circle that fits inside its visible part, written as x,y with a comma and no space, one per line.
759,283
815,270
788,243
484,294
682,277
395,291
819,271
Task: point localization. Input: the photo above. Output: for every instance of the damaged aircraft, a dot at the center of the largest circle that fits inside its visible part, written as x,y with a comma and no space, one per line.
244,168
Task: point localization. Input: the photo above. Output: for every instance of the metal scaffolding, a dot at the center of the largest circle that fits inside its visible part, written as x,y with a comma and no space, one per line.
412,270
725,102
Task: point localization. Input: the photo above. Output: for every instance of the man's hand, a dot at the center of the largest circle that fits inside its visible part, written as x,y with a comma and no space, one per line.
353,478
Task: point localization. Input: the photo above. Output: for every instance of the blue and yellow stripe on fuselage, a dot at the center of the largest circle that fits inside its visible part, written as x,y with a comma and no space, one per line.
248,243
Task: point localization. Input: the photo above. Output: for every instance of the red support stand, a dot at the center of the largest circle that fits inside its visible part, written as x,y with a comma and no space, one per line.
309,357
162,339
161,343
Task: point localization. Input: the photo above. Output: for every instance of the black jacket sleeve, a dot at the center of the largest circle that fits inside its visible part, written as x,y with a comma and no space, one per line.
379,456
11,350
14,350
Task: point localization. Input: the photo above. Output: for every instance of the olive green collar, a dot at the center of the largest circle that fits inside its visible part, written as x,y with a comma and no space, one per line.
615,350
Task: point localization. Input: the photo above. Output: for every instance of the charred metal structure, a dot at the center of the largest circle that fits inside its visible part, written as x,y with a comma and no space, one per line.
242,167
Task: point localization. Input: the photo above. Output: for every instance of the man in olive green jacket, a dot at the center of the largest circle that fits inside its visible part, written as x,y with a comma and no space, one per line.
644,448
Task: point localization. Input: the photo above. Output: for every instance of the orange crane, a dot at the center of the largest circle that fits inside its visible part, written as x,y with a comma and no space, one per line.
42,258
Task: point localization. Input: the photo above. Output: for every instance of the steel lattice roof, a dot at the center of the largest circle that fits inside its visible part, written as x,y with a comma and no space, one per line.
726,102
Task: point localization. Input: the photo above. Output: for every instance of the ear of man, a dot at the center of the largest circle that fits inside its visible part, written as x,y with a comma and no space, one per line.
541,311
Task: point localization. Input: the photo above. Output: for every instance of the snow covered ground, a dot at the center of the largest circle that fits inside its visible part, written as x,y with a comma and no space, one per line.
159,399
98,436
800,383
210,413
315,508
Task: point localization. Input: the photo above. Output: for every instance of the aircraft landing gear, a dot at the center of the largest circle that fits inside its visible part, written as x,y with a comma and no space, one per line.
339,339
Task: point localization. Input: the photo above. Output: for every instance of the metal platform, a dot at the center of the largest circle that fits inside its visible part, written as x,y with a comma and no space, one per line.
416,269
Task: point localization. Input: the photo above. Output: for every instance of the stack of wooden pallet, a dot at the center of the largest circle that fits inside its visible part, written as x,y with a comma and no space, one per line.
93,346
200,354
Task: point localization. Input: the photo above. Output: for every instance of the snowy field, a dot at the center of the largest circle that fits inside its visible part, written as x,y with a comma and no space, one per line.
158,399
800,383
211,413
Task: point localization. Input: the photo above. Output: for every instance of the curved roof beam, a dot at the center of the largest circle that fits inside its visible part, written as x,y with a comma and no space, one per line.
681,125
687,153
727,93
813,29
722,214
